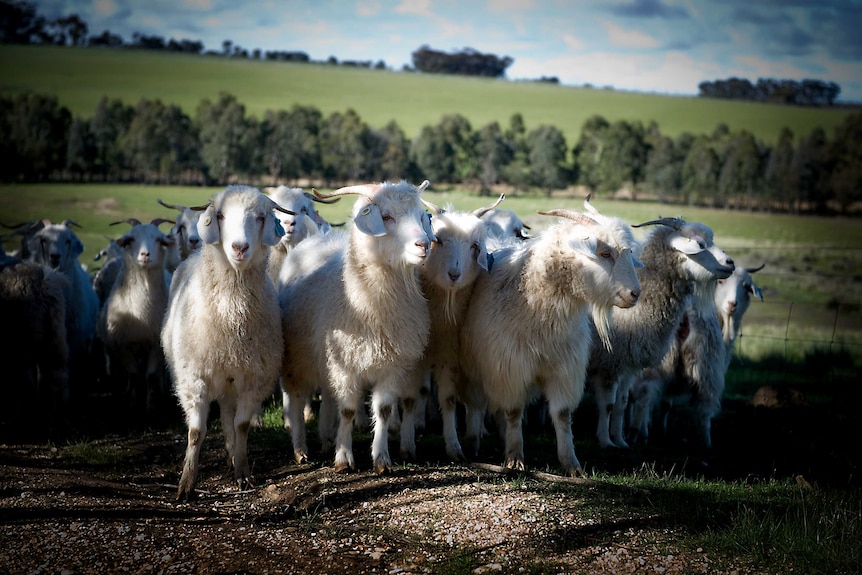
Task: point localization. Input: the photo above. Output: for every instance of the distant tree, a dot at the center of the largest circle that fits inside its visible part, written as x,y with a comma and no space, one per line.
389,149
105,39
588,151
80,149
516,171
145,42
433,155
458,132
291,149
467,62
109,122
227,47
37,137
846,154
493,153
811,169
623,157
343,147
663,170
160,143
224,134
20,23
68,30
780,180
547,158
700,172
741,175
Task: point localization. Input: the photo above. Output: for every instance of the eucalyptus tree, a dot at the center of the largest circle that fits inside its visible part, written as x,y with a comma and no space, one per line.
343,147
741,176
36,136
846,154
700,172
588,151
493,154
548,152
780,179
160,142
291,147
225,133
110,121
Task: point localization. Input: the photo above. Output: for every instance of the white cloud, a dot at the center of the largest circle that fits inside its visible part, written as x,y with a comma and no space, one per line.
415,8
572,42
619,36
367,8
505,6
105,7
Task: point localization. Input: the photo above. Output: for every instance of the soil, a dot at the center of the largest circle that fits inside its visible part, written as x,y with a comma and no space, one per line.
97,495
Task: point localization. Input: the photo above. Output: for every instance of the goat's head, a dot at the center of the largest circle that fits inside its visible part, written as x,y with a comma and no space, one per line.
701,260
145,245
303,224
55,245
392,211
185,228
241,220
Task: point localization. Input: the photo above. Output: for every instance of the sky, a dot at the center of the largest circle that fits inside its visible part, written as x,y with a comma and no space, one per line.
662,46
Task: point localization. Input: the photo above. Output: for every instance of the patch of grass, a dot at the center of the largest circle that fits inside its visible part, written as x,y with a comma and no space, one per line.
98,454
80,77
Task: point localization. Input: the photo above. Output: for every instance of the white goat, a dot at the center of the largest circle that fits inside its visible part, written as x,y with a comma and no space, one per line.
131,318
677,256
355,317
732,298
505,228
458,257
296,228
222,331
527,322
58,247
185,230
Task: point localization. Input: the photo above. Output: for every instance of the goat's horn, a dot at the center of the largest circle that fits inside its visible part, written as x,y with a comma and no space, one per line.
159,221
322,200
16,226
133,221
201,208
590,207
479,212
360,189
675,223
434,209
283,210
578,217
753,270
421,187
68,223
172,206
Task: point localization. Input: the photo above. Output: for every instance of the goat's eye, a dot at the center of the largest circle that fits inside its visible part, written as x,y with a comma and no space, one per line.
261,218
606,254
720,282
303,211
220,216
388,218
476,249
702,245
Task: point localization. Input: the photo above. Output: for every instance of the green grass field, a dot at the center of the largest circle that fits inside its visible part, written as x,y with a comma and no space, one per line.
80,77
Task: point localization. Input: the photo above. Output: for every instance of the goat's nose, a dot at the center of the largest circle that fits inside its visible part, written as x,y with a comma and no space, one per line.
454,275
240,247
729,262
193,243
635,293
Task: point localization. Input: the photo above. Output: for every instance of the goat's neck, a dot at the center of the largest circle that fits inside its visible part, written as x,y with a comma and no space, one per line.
553,281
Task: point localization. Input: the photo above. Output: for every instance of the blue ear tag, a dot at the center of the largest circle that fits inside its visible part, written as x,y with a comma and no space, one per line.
279,231
490,261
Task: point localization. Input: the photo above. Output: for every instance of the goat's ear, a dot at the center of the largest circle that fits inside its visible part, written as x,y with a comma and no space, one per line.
585,245
369,221
272,230
482,257
755,291
77,247
688,246
208,225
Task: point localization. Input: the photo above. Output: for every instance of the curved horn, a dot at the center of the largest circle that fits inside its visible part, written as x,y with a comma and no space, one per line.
578,217
172,206
68,223
434,209
675,223
159,221
479,212
16,226
590,207
753,270
321,200
283,210
201,208
133,221
360,189
421,187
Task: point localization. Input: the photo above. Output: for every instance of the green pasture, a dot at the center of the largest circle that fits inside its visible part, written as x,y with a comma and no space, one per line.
79,77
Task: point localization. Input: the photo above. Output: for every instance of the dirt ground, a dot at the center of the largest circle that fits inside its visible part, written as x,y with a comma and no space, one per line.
98,497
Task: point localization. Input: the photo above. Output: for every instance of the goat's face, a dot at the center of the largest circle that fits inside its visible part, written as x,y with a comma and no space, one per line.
399,222
145,246
702,261
458,255
240,219
507,224
55,246
186,232
296,227
733,295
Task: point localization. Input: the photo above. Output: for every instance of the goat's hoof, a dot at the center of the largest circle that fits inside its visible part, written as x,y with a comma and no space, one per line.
515,465
300,458
382,469
343,467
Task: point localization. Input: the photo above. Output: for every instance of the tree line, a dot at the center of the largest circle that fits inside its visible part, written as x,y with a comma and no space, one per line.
805,93
156,143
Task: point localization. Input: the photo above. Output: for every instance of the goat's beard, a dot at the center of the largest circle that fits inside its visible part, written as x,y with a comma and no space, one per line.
602,317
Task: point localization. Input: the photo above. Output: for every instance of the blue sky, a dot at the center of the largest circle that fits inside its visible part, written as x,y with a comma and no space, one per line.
665,46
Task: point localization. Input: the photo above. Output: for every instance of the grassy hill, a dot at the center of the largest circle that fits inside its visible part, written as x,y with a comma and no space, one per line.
81,76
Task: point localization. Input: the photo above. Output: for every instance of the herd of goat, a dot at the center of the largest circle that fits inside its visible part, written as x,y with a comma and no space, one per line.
425,308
